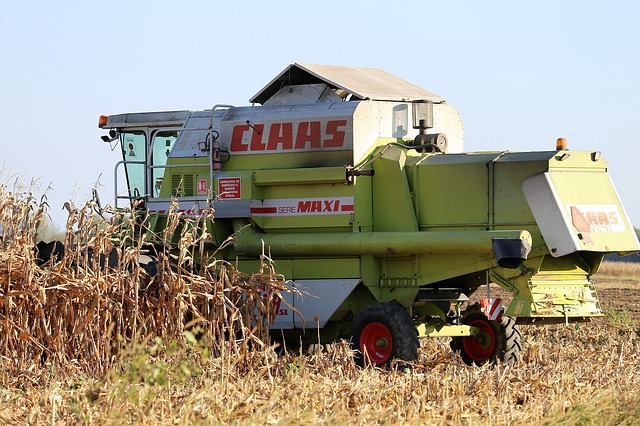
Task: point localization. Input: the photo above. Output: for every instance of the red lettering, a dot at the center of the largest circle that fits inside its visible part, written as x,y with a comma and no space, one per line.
236,138
592,218
275,303
308,132
280,134
256,138
319,206
337,135
331,205
304,206
613,219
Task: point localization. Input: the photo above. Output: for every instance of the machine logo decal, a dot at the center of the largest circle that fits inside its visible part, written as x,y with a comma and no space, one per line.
593,218
288,137
302,207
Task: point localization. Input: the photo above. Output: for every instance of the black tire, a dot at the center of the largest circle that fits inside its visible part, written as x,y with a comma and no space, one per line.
498,341
383,332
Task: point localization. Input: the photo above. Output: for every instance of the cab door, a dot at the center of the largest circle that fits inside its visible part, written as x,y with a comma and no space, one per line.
162,143
134,154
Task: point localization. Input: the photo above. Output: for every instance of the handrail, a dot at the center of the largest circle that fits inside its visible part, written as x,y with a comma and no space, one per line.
171,166
213,110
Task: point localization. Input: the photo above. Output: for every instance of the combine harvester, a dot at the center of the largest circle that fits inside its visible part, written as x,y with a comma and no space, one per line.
356,184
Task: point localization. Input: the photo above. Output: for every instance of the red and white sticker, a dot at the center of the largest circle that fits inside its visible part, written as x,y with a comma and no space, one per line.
492,308
202,186
229,188
302,206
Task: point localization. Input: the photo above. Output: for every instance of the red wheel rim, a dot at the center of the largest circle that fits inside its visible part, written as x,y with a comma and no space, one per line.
480,347
375,342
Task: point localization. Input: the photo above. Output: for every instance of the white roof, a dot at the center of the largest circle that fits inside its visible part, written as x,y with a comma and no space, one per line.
364,83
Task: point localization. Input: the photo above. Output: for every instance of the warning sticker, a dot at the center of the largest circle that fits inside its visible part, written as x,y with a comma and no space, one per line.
229,188
202,186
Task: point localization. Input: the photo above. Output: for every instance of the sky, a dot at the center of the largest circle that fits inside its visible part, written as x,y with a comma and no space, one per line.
521,74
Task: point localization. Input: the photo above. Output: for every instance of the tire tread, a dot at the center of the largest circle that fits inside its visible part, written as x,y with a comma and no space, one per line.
404,333
508,338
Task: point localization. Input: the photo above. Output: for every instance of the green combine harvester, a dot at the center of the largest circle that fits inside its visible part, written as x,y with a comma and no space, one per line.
355,182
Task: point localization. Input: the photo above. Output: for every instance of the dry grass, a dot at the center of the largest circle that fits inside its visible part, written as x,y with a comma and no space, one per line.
620,269
585,375
81,345
619,275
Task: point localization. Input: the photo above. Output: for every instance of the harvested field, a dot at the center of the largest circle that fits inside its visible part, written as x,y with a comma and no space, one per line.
68,359
621,303
569,375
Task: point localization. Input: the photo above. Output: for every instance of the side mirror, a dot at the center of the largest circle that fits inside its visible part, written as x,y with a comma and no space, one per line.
113,135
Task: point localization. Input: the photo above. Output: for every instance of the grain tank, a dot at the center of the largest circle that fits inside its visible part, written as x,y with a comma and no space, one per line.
357,184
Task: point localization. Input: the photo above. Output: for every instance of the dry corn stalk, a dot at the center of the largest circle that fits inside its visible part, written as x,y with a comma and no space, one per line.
78,312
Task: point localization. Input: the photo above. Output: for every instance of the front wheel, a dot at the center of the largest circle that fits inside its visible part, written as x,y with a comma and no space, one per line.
496,341
383,332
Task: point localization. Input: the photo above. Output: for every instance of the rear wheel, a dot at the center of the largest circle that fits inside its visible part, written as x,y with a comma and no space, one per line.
383,332
496,340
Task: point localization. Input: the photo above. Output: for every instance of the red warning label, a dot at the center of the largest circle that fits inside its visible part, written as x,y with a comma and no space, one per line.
202,186
229,188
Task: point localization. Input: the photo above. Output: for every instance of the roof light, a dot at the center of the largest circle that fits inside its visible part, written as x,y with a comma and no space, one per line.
561,144
102,121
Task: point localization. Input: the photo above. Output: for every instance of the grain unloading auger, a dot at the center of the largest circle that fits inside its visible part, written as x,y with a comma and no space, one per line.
356,183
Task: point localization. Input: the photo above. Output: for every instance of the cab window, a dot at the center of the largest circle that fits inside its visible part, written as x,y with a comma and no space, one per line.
134,153
163,142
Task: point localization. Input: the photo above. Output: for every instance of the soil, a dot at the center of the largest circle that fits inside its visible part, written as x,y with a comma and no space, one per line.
620,301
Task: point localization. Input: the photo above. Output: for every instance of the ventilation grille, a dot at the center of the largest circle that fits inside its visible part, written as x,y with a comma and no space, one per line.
183,185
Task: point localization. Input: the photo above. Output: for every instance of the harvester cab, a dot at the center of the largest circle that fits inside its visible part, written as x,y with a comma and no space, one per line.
356,183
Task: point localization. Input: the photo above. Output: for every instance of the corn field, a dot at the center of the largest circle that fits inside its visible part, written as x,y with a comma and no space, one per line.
79,313
88,343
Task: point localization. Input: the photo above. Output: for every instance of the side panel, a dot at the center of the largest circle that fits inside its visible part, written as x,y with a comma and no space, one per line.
579,212
392,202
324,285
319,300
452,193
